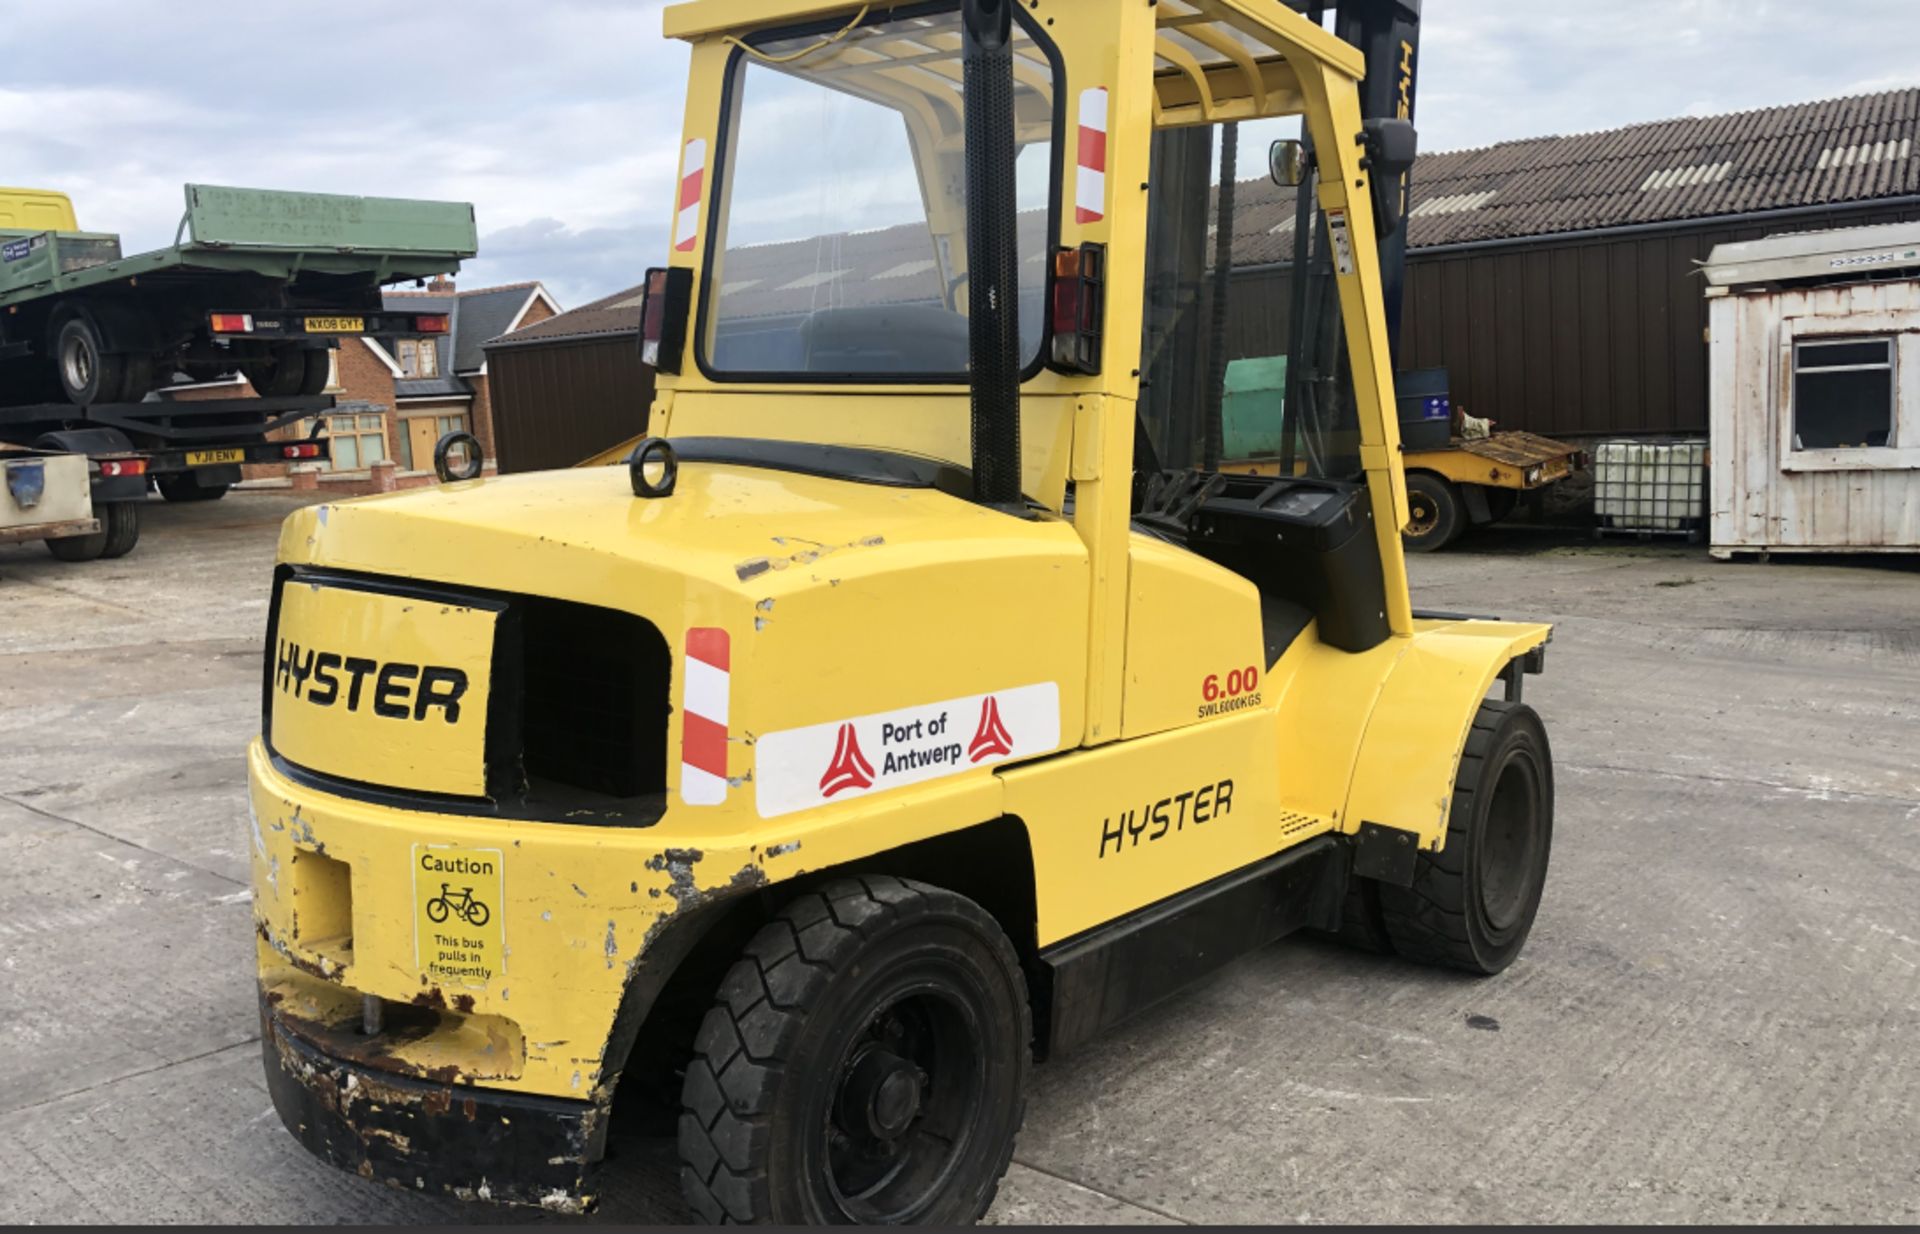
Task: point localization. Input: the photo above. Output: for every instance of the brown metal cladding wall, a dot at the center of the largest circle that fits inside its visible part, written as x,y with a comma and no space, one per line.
1575,336
556,403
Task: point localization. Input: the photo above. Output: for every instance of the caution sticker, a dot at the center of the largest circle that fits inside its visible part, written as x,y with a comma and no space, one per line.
458,894
842,759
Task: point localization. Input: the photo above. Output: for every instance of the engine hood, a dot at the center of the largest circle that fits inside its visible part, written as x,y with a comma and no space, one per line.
727,528
815,605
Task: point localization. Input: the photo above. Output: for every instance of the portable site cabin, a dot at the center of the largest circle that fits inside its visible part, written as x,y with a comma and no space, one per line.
1815,392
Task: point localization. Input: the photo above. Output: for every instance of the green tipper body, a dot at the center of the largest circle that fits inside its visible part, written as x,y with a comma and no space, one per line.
259,218
258,231
1250,414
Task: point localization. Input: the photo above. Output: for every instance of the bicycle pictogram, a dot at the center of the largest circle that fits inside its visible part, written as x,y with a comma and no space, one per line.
458,903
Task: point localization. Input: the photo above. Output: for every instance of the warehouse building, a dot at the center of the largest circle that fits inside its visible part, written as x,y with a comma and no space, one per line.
1555,278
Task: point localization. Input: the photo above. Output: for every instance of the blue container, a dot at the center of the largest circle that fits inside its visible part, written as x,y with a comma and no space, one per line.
1426,409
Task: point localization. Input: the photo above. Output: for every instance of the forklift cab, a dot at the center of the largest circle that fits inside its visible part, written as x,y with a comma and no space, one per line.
822,253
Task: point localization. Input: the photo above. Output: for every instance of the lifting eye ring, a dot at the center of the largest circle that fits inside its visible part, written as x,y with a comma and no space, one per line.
653,450
443,464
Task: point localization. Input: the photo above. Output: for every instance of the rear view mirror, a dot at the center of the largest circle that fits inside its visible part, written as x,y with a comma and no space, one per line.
1286,163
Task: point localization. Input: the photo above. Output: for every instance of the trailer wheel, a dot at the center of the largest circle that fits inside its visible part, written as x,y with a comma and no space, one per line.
121,519
289,371
1472,903
88,372
81,548
119,532
186,486
1437,513
866,1061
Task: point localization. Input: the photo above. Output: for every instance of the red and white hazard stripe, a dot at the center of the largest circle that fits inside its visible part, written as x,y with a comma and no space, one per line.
693,178
703,729
1090,183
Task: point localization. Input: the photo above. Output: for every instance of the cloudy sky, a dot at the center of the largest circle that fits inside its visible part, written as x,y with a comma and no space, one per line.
559,118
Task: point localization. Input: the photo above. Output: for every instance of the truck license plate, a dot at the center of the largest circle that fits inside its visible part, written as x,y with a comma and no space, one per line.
213,458
336,325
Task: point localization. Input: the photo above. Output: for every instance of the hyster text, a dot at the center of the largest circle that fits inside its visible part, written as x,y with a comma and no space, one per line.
327,678
1169,814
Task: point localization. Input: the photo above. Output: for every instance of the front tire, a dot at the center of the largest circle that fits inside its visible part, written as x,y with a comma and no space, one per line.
866,1062
1472,903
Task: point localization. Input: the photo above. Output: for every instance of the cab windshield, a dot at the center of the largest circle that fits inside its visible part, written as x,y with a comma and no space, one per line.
839,248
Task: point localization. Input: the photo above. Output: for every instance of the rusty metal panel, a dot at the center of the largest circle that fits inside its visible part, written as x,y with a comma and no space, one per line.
1516,449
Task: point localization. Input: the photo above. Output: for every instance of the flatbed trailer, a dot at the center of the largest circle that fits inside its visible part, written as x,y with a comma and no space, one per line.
261,283
191,451
1469,482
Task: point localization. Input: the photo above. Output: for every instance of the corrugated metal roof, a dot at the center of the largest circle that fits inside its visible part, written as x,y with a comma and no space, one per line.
1809,154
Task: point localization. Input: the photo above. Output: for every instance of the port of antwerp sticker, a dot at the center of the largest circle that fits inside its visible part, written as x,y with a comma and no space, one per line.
804,767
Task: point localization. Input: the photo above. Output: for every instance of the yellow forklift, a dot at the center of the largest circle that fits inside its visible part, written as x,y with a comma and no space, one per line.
898,716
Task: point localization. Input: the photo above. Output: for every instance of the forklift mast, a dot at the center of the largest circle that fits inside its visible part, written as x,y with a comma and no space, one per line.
1319,384
1387,32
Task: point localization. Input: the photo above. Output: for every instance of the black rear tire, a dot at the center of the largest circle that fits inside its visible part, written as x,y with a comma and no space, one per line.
1472,904
289,371
1439,514
186,486
866,1062
88,373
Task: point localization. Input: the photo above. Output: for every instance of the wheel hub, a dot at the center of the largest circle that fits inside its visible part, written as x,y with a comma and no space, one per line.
881,1096
79,364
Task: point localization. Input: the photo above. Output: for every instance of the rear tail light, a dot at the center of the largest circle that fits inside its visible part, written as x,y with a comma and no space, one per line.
304,450
114,467
432,323
1078,277
663,317
233,323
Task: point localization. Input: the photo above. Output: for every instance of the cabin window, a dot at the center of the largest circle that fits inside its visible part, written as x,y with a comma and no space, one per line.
839,247
1843,394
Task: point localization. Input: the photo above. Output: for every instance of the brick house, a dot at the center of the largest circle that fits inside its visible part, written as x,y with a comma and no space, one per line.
394,398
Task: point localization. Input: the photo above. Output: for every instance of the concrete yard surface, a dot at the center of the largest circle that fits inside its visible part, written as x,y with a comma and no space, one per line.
1715,1020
